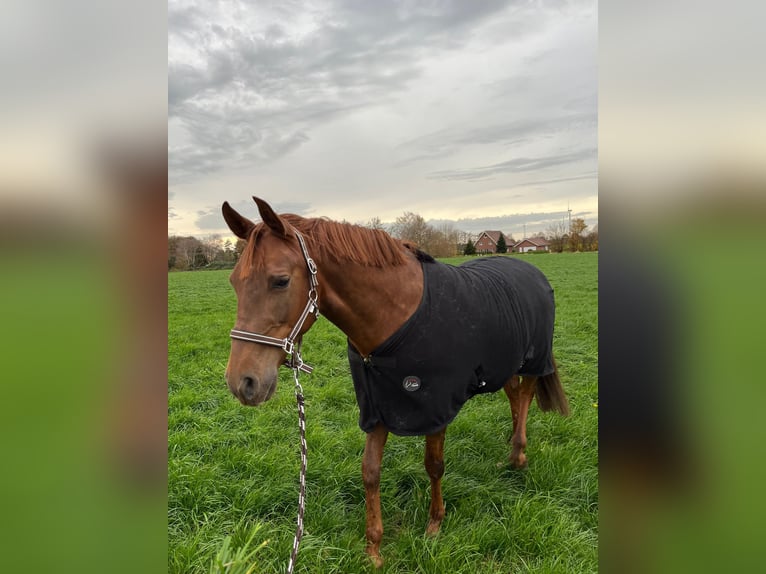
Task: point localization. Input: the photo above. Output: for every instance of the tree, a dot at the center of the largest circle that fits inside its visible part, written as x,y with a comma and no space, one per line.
470,248
463,237
239,248
441,242
501,245
590,241
445,241
413,228
556,234
172,244
228,255
212,248
185,252
200,259
190,253
575,234
375,223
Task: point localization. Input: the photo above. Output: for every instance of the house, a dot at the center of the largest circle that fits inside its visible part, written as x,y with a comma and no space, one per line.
532,244
487,241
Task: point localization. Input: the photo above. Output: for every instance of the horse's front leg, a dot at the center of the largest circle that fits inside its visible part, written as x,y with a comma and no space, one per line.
434,461
520,392
373,455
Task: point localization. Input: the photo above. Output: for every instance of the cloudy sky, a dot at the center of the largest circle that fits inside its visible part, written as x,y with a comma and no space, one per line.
483,113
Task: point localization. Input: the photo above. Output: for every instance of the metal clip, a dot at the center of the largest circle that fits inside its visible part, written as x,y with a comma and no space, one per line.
298,387
287,346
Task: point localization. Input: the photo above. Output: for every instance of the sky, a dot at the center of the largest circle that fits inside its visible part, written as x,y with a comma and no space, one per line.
479,113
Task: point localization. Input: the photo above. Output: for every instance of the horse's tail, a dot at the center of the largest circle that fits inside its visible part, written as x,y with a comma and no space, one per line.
550,394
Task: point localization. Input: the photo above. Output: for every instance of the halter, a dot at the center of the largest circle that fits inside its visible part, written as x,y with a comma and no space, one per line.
292,343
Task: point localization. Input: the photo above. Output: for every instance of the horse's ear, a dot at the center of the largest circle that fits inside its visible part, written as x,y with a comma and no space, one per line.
271,219
239,225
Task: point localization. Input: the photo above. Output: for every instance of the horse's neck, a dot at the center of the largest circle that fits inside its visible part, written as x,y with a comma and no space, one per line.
369,304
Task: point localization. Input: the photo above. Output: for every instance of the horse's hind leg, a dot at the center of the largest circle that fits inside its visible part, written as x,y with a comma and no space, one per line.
434,462
520,392
373,456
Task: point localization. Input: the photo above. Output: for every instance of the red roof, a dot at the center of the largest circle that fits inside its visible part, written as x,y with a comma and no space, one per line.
536,241
493,235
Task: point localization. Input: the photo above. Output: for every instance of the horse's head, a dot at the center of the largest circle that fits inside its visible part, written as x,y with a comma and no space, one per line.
271,280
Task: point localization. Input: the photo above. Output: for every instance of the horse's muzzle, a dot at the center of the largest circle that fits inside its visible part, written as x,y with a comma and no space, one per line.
251,391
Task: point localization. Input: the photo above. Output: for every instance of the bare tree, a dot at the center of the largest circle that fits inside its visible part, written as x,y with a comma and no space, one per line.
448,239
189,253
185,251
557,236
413,228
212,247
442,242
375,223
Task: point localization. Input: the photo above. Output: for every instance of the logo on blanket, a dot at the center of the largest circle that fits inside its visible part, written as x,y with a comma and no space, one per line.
411,383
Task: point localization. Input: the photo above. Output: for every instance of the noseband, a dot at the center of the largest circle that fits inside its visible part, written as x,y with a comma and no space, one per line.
292,343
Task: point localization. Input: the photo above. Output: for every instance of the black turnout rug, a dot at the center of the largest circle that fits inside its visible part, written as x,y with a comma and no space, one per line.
477,325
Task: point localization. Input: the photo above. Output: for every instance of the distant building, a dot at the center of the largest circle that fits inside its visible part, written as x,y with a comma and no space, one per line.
487,241
532,244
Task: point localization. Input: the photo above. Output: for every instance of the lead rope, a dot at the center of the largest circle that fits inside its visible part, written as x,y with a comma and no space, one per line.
302,494
292,346
297,364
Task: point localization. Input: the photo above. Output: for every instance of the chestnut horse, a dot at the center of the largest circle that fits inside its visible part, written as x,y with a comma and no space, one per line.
374,288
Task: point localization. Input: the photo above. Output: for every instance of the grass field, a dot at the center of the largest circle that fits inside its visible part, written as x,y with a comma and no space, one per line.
233,471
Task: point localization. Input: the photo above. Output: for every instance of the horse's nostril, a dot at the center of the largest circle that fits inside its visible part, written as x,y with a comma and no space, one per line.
247,388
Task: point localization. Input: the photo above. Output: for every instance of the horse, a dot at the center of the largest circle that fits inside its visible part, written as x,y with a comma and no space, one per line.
423,336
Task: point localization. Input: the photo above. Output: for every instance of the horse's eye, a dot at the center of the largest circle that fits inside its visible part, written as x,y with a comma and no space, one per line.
280,282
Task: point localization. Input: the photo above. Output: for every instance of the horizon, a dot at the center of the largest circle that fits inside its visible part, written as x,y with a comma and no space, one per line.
474,229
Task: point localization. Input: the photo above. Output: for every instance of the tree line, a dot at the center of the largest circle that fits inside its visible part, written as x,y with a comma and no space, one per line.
563,237
188,253
211,252
446,241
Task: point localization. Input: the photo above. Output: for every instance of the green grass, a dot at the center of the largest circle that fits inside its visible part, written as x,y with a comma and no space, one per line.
233,471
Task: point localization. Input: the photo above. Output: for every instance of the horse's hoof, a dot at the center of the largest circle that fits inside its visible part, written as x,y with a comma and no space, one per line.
376,560
519,463
433,528
373,551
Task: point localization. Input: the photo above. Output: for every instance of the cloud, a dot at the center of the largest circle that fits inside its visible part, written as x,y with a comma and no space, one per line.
449,141
248,94
517,165
335,103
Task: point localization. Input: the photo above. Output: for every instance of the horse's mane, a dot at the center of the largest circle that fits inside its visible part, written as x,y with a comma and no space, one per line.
340,242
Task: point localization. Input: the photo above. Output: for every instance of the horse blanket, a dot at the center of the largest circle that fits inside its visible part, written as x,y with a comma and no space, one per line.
477,325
